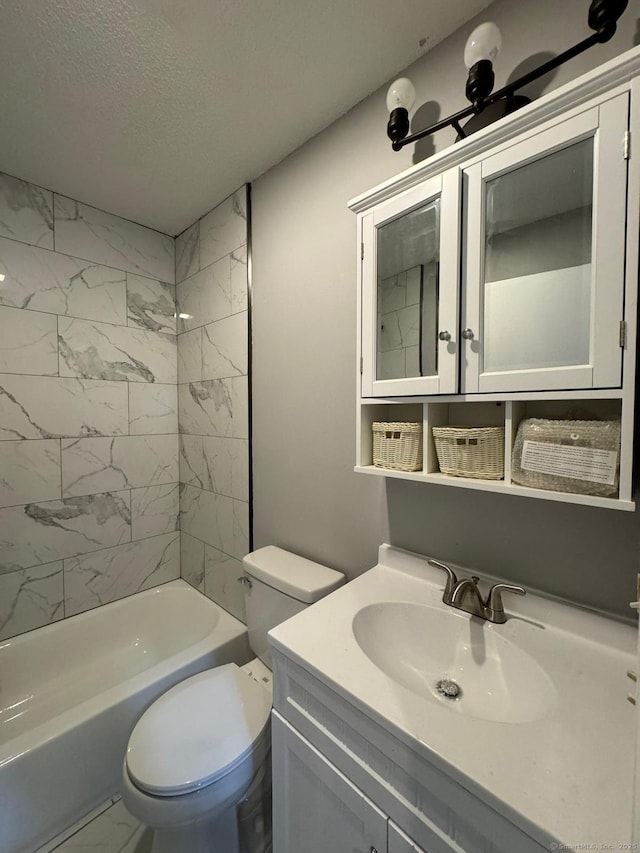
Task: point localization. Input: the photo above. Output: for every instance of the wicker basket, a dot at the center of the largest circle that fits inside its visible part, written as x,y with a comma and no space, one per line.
397,445
476,452
590,434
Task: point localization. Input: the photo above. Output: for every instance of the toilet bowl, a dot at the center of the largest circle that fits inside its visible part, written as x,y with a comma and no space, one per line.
201,750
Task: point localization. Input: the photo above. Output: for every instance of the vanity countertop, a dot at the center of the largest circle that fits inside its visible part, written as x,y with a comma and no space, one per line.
565,777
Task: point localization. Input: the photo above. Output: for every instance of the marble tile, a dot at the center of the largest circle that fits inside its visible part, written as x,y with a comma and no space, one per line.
47,281
221,582
104,576
93,465
216,407
30,598
48,407
93,350
43,532
188,252
226,466
151,304
28,342
207,516
29,471
225,348
191,460
224,228
26,212
154,511
236,543
113,831
86,232
205,296
190,356
239,280
153,409
192,560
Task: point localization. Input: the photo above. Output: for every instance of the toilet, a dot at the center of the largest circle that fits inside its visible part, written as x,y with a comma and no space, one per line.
197,767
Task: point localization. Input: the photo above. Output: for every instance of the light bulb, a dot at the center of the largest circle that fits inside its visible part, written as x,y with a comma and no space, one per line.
483,43
401,94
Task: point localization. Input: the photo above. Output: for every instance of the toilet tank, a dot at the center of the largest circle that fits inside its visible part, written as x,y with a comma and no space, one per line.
280,584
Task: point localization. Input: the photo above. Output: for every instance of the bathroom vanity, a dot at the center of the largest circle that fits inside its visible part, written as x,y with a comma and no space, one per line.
535,752
498,281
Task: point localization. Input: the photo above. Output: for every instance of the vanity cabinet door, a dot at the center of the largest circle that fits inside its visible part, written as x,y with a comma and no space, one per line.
316,809
544,261
410,291
401,843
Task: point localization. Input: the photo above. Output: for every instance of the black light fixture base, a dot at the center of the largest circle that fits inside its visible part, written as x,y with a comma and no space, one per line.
398,125
492,112
479,83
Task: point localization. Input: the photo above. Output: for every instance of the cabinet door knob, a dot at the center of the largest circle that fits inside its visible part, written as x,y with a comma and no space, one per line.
444,336
467,334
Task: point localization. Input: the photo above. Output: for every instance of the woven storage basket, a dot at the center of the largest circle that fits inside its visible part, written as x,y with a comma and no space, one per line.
594,435
476,452
397,445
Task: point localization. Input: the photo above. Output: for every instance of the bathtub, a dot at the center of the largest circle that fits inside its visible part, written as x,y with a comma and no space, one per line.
71,692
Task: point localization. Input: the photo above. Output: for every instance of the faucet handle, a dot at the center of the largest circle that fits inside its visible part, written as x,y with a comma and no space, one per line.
494,608
452,580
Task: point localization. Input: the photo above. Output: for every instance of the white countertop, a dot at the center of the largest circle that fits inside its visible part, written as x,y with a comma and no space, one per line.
567,776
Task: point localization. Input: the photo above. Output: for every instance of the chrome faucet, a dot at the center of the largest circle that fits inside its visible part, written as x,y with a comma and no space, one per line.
465,595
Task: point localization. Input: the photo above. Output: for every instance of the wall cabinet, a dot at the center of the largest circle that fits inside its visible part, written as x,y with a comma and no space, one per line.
505,270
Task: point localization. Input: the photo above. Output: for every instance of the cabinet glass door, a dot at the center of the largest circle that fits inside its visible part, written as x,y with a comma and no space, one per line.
410,291
545,265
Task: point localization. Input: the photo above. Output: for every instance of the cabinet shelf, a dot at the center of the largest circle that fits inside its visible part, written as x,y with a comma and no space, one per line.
500,487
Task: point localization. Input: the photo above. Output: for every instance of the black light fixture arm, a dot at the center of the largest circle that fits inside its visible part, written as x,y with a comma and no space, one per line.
603,17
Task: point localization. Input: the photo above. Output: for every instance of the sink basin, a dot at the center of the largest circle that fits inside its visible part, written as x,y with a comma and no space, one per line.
462,663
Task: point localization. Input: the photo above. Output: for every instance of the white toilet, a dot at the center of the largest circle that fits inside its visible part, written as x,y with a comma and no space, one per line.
201,750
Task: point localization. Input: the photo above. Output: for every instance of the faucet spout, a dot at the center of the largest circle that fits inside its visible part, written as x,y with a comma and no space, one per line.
466,596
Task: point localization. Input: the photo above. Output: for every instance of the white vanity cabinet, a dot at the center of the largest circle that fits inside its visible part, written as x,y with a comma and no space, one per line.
498,279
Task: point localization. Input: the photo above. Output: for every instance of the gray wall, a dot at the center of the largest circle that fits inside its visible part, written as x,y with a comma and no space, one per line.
306,495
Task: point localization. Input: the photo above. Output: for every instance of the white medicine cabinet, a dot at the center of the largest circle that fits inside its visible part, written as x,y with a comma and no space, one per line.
498,279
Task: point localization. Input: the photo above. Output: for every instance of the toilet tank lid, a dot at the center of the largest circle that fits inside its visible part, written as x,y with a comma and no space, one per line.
296,576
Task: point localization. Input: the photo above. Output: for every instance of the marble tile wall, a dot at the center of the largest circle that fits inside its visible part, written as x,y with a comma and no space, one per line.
89,447
213,401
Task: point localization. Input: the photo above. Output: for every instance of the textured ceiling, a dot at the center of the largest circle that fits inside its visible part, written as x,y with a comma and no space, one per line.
157,109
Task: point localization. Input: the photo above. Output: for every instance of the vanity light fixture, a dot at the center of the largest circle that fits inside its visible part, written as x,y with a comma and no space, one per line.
1,276
482,47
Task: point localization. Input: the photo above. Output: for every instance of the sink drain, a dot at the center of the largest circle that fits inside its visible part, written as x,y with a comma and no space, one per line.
449,689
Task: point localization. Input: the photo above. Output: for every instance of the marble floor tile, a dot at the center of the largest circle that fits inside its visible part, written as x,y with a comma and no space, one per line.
151,304
224,228
26,212
86,232
91,350
29,471
38,533
41,280
113,573
30,598
113,831
49,407
93,465
153,408
28,342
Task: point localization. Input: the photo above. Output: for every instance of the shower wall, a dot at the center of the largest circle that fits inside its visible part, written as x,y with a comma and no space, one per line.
212,296
88,408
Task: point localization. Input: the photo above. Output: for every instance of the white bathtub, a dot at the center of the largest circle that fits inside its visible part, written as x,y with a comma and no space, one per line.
71,692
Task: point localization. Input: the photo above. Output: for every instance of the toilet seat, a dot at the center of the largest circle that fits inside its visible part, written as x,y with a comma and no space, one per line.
197,732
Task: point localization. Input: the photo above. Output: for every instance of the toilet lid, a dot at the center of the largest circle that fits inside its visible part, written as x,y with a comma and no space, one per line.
197,732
